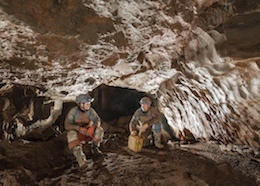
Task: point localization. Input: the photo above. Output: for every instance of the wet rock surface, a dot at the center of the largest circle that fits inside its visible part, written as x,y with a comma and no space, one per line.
50,163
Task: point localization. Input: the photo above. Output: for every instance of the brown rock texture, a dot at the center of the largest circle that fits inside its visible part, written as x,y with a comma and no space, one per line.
198,60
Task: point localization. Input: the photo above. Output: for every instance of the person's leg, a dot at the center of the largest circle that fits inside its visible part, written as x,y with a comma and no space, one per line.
147,137
80,156
76,148
157,135
98,138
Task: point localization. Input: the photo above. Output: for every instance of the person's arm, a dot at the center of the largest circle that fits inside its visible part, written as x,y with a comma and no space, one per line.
133,123
156,116
94,117
68,124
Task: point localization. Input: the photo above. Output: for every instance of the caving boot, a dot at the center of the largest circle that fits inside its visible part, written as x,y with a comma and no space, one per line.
148,141
80,156
95,149
99,133
157,140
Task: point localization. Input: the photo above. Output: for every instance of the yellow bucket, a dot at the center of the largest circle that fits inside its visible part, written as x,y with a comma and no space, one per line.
135,143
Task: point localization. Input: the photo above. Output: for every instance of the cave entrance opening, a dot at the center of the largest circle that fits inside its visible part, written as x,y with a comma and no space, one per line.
114,102
116,105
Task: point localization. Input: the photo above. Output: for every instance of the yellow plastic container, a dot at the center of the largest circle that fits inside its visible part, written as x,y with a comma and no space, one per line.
135,143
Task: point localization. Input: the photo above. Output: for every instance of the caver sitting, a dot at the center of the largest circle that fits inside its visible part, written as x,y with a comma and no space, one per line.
146,123
83,125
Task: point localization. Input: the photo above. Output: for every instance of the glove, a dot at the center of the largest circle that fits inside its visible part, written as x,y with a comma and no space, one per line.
134,133
91,131
83,130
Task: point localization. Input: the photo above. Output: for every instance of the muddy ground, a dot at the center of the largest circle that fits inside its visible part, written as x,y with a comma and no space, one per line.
50,163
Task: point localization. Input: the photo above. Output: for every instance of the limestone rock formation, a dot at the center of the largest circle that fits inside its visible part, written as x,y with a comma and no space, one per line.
184,54
197,59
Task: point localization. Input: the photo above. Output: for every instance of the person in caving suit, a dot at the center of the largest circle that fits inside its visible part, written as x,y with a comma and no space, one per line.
83,125
146,122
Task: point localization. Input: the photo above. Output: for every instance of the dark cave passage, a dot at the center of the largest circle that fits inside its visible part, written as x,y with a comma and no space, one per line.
115,102
114,105
111,103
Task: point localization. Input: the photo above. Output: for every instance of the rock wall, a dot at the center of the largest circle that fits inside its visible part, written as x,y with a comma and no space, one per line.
168,49
213,97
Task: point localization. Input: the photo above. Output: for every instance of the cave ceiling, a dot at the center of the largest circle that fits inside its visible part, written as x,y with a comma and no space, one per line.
199,59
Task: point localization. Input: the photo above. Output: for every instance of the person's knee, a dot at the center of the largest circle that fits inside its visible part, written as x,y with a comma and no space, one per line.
157,128
72,135
72,139
99,133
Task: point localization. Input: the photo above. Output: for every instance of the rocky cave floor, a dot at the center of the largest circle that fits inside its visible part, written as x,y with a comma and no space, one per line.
50,163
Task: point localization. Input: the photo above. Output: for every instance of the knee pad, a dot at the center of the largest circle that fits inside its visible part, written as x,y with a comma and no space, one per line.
99,133
72,135
157,128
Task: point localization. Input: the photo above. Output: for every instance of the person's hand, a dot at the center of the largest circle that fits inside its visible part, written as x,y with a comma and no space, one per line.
144,127
83,130
134,133
90,123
